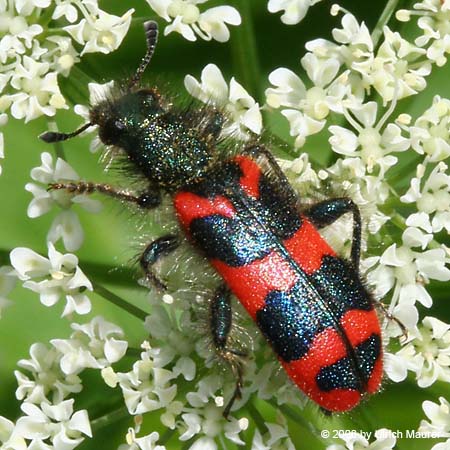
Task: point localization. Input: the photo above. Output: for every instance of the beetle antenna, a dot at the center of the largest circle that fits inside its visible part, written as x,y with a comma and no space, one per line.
54,136
151,35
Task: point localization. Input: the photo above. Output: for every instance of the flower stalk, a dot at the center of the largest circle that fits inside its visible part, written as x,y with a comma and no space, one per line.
119,302
385,17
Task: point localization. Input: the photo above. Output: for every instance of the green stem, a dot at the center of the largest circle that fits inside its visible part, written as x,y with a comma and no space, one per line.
166,436
187,444
109,418
125,277
257,418
140,20
398,220
134,352
75,87
44,17
244,51
389,9
398,174
120,302
297,418
4,257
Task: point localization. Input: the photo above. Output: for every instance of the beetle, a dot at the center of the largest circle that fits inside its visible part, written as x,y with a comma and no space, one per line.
238,208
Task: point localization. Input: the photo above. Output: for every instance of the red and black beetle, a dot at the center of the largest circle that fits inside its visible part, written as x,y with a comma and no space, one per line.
239,210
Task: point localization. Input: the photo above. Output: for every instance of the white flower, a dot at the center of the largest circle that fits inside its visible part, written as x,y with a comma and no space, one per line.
32,54
186,19
179,333
277,437
208,421
27,7
99,31
294,10
37,90
439,416
353,44
212,23
18,36
66,224
398,69
367,191
170,416
96,344
242,112
46,382
370,144
432,198
66,10
58,423
142,443
302,172
430,132
356,36
206,416
307,109
147,386
207,387
60,54
434,24
9,437
53,277
427,354
409,270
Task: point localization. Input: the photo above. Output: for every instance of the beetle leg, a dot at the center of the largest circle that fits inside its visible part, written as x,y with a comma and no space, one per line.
153,252
326,212
148,199
384,309
220,322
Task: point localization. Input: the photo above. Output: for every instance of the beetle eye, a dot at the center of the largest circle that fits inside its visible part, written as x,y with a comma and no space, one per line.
111,131
119,125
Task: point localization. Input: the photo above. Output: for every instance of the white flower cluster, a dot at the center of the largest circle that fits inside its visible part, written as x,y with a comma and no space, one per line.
294,10
53,277
185,18
147,386
49,420
342,74
32,55
141,443
66,225
242,112
434,17
439,425
276,437
427,354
